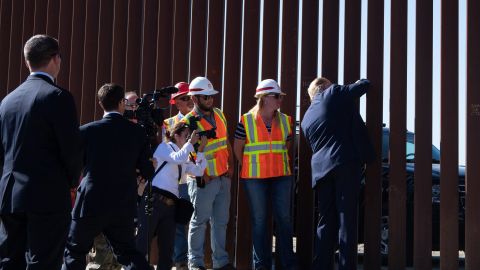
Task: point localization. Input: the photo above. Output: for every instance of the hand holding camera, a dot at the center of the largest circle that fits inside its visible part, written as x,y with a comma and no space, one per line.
203,142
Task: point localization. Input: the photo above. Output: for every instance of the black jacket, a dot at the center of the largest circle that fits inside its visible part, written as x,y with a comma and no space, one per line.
114,147
335,130
40,147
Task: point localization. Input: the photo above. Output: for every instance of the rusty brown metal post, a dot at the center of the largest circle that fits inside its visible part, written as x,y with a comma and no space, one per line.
89,79
231,85
472,226
105,42
149,46
134,38
398,129
373,187
422,233
5,18
164,43
198,39
76,53
449,137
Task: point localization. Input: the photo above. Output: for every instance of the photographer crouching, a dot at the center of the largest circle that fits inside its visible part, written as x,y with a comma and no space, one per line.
173,157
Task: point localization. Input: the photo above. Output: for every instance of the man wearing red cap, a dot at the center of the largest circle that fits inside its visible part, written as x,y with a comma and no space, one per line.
182,101
184,104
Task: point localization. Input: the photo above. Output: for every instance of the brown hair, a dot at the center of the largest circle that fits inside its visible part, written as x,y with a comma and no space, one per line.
110,95
178,128
39,49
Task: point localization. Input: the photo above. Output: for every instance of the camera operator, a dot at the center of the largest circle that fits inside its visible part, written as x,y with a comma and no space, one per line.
211,202
101,255
173,159
106,197
184,104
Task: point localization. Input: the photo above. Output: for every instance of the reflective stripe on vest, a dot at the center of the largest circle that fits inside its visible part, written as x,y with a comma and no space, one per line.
216,152
265,154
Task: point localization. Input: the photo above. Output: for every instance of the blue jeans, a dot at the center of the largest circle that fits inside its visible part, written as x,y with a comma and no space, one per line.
211,203
260,192
181,244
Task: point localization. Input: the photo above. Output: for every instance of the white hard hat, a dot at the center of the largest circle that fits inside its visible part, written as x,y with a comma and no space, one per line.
268,86
201,86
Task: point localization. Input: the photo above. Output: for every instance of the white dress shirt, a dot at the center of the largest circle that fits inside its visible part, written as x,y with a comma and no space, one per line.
167,178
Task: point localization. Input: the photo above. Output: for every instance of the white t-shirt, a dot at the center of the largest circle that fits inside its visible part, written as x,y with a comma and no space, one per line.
167,178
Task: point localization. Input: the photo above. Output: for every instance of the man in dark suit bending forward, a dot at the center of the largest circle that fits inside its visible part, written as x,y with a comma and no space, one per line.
106,198
337,134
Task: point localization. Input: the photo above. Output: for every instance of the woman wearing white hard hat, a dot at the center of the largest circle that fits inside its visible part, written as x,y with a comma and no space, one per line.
262,139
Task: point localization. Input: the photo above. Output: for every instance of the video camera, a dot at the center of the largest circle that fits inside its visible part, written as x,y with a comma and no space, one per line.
148,114
192,120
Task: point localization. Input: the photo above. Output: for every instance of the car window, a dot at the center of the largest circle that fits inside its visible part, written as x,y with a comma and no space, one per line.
410,148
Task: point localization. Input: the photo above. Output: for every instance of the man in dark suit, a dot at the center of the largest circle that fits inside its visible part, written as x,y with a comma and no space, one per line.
40,156
107,196
337,134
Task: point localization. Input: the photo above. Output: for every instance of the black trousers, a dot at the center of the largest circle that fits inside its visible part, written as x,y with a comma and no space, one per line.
33,241
162,224
337,203
119,231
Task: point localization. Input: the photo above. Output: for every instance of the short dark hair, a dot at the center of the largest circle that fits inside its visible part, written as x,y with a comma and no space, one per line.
39,49
110,95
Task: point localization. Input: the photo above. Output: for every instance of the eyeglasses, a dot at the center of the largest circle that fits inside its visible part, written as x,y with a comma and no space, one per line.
205,97
276,96
184,98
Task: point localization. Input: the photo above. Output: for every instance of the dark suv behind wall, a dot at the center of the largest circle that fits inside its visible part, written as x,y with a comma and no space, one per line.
410,167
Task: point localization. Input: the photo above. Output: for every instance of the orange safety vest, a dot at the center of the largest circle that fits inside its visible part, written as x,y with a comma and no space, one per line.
170,122
216,152
265,154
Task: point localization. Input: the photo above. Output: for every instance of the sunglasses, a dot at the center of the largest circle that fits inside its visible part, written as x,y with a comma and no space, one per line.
184,98
205,97
276,96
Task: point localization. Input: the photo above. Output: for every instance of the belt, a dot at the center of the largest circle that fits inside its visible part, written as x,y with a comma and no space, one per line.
157,193
165,200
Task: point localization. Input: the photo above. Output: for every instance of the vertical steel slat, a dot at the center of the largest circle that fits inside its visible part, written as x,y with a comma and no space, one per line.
181,35
305,199
213,66
353,29
198,39
120,22
373,182
398,128
53,18
28,15
149,43
271,9
214,58
76,53
134,42
40,26
449,137
90,61
251,21
288,70
269,70
16,46
330,40
104,55
231,83
5,18
422,233
164,43
64,39
472,226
